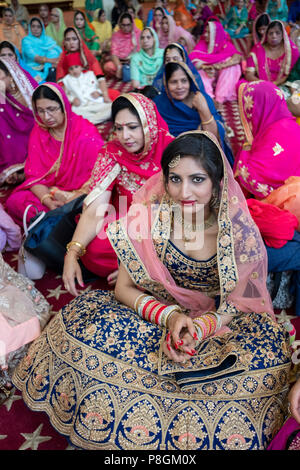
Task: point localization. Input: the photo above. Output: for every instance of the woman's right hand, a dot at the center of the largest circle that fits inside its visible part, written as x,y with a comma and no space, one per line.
52,203
71,272
181,340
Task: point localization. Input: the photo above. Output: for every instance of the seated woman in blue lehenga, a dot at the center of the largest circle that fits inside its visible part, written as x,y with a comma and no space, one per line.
186,353
40,52
185,106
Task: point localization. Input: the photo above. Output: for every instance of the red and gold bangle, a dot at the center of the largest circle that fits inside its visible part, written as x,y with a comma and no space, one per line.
207,324
150,309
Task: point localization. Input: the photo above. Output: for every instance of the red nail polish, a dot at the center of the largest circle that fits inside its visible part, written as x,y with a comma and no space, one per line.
189,353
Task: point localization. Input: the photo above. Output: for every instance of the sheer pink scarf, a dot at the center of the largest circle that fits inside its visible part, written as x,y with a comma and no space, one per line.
219,48
67,164
242,259
285,63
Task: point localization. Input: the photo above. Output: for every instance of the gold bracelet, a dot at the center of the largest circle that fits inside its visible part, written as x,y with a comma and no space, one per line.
82,248
207,122
45,197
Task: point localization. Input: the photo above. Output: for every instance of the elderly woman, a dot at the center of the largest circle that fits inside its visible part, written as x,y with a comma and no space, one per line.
16,118
62,151
124,43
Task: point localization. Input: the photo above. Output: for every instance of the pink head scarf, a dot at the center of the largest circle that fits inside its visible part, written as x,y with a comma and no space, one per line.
271,151
219,48
175,34
241,254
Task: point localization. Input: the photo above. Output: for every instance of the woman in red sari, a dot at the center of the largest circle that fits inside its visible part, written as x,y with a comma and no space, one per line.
74,43
62,151
124,164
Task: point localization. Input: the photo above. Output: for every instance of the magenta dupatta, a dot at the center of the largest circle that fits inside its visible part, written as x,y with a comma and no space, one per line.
138,167
273,70
67,165
271,152
219,49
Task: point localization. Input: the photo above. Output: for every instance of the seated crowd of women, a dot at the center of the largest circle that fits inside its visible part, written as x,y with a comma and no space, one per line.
183,350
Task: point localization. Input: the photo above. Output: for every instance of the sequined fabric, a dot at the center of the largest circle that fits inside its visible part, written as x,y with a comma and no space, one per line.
99,373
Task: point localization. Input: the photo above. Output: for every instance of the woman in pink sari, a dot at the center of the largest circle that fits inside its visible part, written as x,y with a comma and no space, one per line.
169,32
124,43
218,62
270,154
274,57
62,151
16,119
123,166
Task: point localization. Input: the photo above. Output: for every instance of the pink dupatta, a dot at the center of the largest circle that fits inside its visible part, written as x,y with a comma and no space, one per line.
270,154
114,161
219,49
241,254
260,63
125,44
175,34
67,164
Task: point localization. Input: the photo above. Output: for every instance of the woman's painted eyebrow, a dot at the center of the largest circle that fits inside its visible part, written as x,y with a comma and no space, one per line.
191,176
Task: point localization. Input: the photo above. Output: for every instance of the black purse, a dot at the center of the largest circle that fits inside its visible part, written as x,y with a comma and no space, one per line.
47,240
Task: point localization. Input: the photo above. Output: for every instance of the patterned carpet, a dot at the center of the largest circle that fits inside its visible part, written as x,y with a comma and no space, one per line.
21,429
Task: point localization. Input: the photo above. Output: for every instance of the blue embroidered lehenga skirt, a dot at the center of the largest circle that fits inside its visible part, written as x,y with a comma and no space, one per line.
98,371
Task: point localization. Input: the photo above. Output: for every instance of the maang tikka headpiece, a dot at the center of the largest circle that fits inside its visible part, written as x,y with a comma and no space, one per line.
174,162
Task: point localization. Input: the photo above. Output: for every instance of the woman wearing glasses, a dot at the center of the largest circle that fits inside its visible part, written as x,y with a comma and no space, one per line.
62,150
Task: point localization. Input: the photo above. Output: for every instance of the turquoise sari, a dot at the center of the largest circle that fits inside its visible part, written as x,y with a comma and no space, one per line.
39,46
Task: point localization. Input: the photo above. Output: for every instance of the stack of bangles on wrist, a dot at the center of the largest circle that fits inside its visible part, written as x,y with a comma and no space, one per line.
82,249
150,309
207,324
